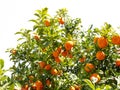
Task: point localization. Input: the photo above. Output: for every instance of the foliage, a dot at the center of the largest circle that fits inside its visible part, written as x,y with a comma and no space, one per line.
5,83
53,55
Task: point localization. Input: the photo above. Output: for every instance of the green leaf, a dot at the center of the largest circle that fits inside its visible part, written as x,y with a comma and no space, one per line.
11,87
1,63
3,78
98,89
108,87
90,84
35,21
19,33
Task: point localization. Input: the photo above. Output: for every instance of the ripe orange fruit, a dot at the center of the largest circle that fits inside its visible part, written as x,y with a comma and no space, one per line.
47,23
48,82
64,53
102,42
69,45
36,37
89,67
13,51
72,88
57,59
70,55
60,72
77,87
34,86
61,21
117,62
95,39
59,49
55,54
42,64
31,77
95,77
25,87
82,59
48,67
54,71
39,85
100,55
116,40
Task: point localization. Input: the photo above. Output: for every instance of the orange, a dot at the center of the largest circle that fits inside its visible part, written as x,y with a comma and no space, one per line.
13,51
100,55
102,42
72,88
116,39
69,45
39,85
55,54
77,87
47,23
42,64
48,82
36,37
60,72
89,67
33,86
57,59
117,62
64,53
59,49
95,39
70,55
48,67
61,21
54,71
95,77
31,77
25,87
82,59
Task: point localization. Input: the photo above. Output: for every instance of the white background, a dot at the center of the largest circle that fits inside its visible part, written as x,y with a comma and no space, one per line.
14,15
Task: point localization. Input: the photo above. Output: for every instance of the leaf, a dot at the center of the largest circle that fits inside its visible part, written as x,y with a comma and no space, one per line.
107,87
18,33
35,21
98,89
11,87
90,84
3,78
1,63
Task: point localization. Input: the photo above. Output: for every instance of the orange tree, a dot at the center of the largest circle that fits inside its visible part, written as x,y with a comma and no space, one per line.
58,54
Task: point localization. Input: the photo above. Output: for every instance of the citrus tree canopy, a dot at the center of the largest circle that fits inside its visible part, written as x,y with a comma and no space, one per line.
58,54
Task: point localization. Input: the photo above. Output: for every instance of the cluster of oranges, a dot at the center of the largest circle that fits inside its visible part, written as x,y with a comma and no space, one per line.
68,46
38,85
102,43
47,22
75,87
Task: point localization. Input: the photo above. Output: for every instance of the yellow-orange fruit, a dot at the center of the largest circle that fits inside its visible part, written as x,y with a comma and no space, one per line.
95,77
42,64
69,45
55,53
117,62
89,67
54,71
116,39
47,23
100,55
48,67
102,42
72,88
